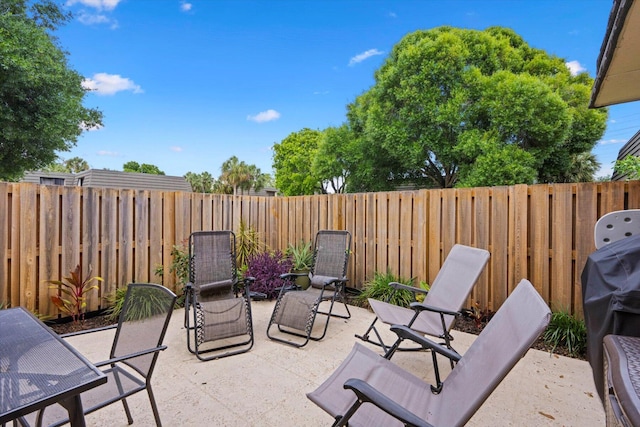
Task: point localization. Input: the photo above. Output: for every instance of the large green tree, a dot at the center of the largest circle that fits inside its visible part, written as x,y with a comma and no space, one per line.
292,161
41,111
333,159
464,107
133,166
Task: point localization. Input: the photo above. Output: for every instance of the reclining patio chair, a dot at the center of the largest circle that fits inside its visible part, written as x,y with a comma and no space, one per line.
435,316
138,340
217,304
295,310
615,226
396,397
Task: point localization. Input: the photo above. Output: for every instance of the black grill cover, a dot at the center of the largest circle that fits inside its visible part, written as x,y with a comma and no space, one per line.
611,298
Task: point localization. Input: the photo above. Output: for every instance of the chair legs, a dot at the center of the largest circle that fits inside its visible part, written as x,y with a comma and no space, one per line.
196,332
312,314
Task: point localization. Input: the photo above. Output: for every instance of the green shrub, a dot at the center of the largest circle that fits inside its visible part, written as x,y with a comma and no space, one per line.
143,303
566,330
378,288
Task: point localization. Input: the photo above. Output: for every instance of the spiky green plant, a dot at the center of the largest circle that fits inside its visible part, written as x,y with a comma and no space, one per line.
247,244
564,329
143,303
378,288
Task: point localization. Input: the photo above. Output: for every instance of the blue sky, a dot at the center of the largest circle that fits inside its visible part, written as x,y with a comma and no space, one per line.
185,85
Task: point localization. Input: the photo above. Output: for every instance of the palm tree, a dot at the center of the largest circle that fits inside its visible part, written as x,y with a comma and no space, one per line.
237,174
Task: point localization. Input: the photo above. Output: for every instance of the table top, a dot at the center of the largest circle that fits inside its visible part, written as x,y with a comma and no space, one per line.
37,367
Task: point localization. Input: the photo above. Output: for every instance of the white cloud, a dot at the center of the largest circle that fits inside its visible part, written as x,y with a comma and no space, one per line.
96,4
90,19
321,92
109,153
264,116
185,6
575,68
364,55
612,141
175,148
109,84
392,15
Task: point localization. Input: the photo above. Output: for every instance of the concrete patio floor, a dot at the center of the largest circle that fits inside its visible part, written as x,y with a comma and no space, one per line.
267,385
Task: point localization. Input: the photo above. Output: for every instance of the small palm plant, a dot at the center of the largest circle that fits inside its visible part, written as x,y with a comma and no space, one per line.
71,298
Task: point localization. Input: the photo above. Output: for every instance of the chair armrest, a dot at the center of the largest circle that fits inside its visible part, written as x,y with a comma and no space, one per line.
130,356
405,332
399,286
89,331
418,306
366,393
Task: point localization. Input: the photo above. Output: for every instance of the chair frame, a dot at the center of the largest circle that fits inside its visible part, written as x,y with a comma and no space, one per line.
504,341
417,309
332,290
117,370
193,304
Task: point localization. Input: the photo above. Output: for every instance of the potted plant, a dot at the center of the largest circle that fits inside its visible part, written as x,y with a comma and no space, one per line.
301,256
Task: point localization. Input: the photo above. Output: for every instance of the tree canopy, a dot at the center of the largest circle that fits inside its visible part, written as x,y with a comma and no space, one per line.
292,160
471,108
41,109
236,176
142,168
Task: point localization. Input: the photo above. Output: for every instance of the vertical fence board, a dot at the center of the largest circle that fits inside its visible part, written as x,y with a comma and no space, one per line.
562,243
49,254
406,237
155,233
126,258
28,237
497,217
540,226
90,243
393,237
109,242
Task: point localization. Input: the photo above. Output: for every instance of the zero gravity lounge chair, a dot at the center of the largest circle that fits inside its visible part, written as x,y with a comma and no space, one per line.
295,310
217,305
369,390
436,314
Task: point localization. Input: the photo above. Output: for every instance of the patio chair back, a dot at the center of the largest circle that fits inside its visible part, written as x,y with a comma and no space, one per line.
212,258
615,226
331,256
142,325
453,284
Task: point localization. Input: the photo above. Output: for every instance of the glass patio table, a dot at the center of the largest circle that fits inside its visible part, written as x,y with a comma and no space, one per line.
38,369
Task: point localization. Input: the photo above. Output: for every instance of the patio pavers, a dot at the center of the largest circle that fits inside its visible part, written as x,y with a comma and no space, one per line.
267,385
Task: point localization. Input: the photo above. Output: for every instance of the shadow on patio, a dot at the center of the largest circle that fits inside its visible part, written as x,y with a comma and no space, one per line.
267,385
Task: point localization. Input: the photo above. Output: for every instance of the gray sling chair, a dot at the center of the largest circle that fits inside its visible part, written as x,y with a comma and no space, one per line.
295,310
436,314
615,226
137,343
369,390
217,304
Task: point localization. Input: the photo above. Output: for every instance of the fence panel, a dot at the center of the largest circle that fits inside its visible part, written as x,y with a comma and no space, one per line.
541,232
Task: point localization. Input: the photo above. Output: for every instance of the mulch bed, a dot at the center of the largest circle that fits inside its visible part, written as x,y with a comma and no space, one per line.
463,324
468,325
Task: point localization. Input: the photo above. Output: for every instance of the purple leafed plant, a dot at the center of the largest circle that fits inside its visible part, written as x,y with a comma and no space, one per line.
266,268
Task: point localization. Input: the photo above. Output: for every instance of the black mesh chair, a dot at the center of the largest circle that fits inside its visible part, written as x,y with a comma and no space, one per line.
138,341
295,310
217,304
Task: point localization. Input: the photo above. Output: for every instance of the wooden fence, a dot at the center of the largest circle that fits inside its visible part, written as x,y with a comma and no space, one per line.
540,232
